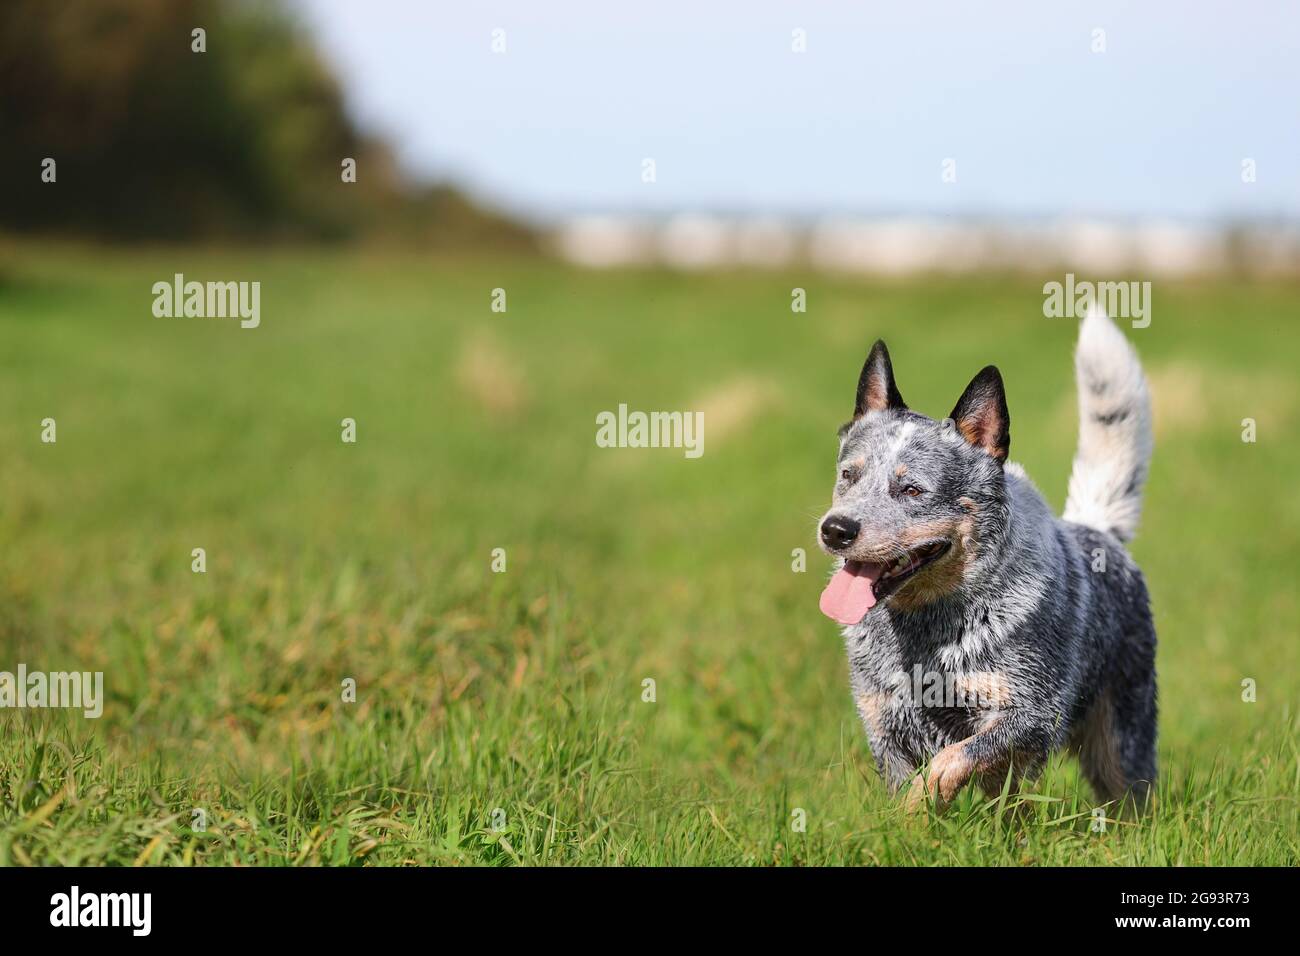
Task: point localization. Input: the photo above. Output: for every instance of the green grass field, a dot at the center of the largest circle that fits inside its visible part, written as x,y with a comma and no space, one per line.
499,718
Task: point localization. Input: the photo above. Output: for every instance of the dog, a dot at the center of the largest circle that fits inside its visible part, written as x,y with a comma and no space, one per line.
983,632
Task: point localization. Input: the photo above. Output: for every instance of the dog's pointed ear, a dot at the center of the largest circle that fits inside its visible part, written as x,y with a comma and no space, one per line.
981,414
876,388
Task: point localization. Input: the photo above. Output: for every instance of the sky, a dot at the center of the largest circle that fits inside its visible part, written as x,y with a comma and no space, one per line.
1036,122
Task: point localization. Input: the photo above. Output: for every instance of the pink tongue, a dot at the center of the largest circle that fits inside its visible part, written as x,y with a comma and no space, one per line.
849,596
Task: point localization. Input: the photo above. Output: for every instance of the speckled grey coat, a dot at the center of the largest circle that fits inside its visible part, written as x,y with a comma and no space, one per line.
1027,633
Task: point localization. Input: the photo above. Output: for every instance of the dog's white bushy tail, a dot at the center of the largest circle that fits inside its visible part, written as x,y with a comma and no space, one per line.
1110,465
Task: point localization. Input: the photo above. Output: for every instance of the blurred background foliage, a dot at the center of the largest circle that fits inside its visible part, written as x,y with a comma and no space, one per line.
155,141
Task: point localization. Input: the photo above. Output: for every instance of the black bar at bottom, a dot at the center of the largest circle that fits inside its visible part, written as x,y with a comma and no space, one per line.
548,906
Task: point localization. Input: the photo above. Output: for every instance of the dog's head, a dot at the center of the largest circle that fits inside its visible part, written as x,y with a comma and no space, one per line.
914,498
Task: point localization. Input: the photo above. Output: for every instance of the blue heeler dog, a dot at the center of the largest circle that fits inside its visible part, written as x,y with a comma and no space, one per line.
1033,632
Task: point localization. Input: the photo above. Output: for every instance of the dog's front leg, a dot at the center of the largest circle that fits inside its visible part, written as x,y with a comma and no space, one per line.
950,770
1011,743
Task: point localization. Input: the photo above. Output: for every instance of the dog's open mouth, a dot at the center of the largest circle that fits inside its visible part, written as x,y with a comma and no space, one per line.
855,588
897,574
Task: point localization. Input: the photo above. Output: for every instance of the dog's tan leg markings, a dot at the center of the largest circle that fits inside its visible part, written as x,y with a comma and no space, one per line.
950,769
953,767
985,689
1100,756
870,706
1098,750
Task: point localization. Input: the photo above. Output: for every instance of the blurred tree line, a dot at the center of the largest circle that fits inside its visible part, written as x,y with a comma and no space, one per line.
155,141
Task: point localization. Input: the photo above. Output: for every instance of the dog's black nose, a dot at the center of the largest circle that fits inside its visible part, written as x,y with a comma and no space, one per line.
839,532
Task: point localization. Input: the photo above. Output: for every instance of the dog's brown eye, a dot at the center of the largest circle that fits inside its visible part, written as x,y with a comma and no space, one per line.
846,475
912,491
